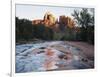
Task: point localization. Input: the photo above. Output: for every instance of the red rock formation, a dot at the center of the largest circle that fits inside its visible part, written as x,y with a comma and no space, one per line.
67,21
50,21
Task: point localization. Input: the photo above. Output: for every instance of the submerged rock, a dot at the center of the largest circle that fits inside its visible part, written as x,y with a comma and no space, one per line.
42,47
40,52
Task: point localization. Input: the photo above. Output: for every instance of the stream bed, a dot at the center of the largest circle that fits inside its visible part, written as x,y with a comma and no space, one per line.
50,56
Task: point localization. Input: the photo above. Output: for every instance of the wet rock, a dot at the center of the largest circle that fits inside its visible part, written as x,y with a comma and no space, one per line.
40,52
42,47
80,65
49,52
84,60
61,56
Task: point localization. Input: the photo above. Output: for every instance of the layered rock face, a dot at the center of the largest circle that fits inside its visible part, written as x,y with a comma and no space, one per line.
48,20
66,21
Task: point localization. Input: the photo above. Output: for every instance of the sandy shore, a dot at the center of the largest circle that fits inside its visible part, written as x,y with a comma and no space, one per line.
86,48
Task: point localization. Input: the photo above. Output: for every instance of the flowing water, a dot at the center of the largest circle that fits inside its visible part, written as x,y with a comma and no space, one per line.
47,56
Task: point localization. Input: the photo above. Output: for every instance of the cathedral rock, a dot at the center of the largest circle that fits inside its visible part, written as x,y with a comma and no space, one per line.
57,24
48,20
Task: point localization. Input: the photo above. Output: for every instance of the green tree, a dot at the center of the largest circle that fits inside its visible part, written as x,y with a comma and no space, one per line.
83,18
85,21
23,29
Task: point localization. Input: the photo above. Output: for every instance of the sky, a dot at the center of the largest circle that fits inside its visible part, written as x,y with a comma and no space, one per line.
33,12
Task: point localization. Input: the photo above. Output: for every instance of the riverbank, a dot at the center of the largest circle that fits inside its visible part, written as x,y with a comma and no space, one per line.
86,48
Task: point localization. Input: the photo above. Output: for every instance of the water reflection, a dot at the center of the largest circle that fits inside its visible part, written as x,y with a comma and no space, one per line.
49,56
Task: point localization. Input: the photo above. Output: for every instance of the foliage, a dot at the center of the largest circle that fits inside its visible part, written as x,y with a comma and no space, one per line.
86,22
42,32
25,30
66,29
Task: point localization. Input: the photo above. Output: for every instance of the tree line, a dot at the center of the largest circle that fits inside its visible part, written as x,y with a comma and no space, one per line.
27,31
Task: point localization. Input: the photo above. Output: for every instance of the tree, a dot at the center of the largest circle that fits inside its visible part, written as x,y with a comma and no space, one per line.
42,32
23,29
83,18
85,21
